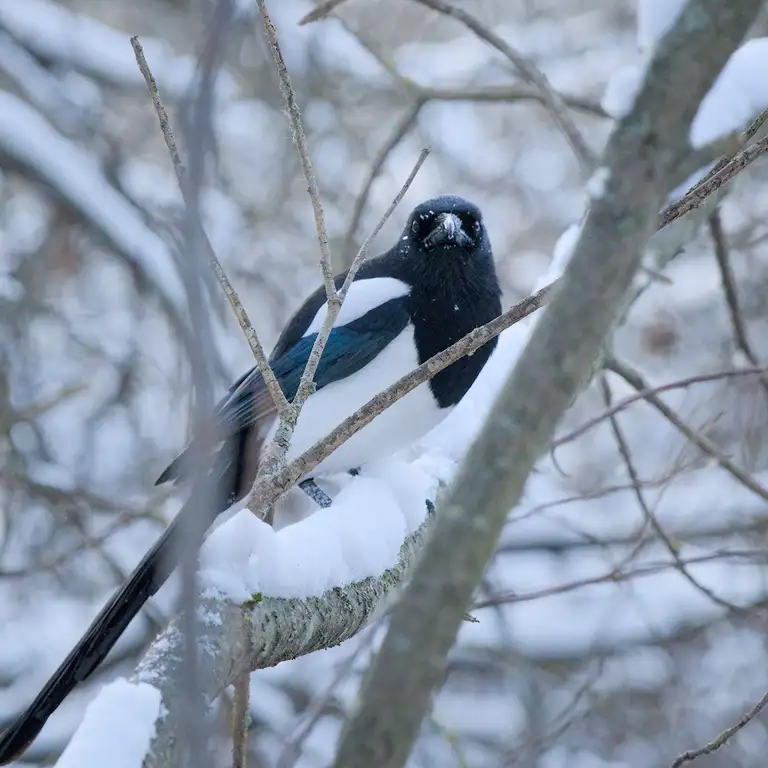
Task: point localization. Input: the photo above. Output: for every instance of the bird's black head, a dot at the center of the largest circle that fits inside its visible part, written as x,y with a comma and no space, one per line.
446,223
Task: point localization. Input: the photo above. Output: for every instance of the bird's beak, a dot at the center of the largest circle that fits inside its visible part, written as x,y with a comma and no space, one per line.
448,231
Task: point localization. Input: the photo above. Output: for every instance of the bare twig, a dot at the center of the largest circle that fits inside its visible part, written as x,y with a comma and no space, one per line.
294,116
731,294
648,513
642,394
162,114
756,125
362,254
722,739
306,386
635,379
551,100
320,12
241,720
749,133
398,134
278,398
617,576
509,93
703,189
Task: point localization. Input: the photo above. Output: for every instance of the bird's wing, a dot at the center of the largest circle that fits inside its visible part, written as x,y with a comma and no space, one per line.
375,311
350,347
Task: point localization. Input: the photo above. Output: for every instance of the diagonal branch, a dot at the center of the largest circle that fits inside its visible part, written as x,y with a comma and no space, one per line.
267,490
723,738
551,100
642,394
704,444
554,366
710,184
648,514
278,398
731,295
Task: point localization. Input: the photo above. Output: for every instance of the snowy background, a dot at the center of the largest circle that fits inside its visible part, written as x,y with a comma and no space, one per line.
593,648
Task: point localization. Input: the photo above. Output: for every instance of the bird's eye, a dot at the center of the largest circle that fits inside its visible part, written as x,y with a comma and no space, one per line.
415,227
477,226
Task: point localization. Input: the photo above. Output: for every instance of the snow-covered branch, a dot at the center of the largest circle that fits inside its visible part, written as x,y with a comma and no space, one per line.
233,640
637,169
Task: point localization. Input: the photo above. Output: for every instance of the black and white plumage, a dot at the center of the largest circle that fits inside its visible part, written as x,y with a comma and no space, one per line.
434,286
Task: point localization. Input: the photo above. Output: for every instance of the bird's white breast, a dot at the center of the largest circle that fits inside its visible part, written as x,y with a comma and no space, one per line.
401,425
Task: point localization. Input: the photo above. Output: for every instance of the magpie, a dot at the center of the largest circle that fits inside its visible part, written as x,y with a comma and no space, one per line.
434,286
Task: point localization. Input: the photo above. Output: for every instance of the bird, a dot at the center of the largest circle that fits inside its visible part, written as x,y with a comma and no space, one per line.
435,285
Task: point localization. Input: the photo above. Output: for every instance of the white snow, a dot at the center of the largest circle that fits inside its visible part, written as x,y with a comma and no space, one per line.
561,255
738,94
597,182
619,96
118,728
357,537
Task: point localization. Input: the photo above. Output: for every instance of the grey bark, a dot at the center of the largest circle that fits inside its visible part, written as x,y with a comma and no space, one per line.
642,156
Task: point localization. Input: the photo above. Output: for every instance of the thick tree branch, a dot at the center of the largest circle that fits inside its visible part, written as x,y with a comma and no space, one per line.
235,640
641,159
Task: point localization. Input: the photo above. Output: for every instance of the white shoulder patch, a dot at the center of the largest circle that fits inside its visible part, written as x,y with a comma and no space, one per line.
363,296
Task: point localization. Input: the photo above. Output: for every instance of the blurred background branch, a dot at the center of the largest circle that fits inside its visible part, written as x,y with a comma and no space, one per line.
576,661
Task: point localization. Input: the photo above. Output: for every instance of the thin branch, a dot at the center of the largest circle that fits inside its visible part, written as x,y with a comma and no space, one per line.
635,379
648,514
273,456
749,133
241,720
722,739
509,93
710,184
362,254
551,100
278,398
564,542
361,201
617,576
294,116
643,394
322,10
731,294
162,114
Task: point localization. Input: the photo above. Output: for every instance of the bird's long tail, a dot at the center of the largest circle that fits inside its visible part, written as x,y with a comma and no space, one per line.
147,578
